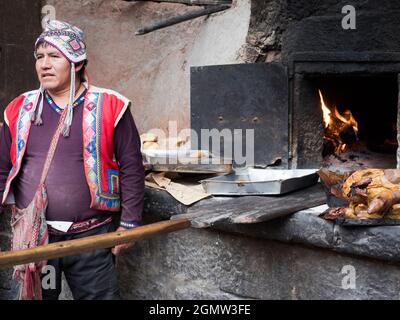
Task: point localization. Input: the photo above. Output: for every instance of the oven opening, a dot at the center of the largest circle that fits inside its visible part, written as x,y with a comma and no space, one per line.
359,115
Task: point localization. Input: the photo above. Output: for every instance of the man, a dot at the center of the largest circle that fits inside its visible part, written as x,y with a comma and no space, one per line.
97,168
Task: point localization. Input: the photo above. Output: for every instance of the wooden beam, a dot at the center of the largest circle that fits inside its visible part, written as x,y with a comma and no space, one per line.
178,19
188,2
252,209
72,247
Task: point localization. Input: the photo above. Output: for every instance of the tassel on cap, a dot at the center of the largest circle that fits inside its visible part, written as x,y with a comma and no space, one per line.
68,119
36,113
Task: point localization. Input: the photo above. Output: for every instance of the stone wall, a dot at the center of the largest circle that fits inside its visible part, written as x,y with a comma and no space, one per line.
280,28
201,264
153,69
210,264
215,264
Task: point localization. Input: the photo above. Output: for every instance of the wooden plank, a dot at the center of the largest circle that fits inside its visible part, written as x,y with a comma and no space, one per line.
282,206
206,207
253,209
209,220
71,247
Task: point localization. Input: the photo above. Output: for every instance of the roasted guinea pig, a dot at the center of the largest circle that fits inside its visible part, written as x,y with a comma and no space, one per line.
370,193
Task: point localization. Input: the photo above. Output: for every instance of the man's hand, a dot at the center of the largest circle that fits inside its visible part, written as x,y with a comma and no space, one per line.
121,247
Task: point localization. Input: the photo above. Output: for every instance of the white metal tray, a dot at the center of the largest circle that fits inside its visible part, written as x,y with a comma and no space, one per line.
260,182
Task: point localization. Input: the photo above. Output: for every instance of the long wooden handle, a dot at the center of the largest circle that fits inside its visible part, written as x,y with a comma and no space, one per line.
71,247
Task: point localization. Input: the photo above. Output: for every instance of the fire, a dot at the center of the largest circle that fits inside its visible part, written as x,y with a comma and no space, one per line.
340,129
347,118
325,110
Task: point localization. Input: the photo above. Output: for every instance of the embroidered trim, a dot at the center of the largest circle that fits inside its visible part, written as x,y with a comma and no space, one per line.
60,33
113,181
22,127
92,141
57,109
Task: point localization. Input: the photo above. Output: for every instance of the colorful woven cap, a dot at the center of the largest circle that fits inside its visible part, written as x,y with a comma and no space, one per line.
66,38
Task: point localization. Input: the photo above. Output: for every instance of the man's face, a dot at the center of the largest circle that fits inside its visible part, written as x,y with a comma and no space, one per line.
52,68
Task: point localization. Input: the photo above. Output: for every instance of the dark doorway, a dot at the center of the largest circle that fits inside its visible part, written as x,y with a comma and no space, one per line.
20,25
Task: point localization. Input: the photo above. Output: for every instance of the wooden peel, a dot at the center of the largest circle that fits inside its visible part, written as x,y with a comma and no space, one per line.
71,247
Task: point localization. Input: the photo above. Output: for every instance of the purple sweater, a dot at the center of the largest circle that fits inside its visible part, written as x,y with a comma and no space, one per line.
68,192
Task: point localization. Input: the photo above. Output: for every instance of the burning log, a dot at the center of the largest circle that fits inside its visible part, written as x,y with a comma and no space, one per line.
340,130
348,135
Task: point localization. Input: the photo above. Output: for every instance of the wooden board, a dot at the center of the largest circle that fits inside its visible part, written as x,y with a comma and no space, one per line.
252,209
78,246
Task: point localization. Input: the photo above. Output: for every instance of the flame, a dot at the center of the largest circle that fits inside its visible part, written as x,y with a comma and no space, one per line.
335,123
351,120
325,110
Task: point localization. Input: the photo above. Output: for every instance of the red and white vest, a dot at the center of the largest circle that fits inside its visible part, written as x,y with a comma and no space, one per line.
102,111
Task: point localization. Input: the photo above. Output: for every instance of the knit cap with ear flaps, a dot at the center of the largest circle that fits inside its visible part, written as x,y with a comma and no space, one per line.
69,40
66,38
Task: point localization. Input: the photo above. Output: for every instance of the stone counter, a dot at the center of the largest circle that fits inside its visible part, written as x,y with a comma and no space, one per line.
302,227
296,257
300,256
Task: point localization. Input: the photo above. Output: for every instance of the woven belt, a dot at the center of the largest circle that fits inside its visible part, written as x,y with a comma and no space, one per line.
82,226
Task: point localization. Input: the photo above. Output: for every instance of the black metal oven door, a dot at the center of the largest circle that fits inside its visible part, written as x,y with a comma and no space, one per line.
236,99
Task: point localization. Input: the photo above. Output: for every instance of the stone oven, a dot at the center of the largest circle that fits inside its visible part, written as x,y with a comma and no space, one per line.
355,70
285,108
364,84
